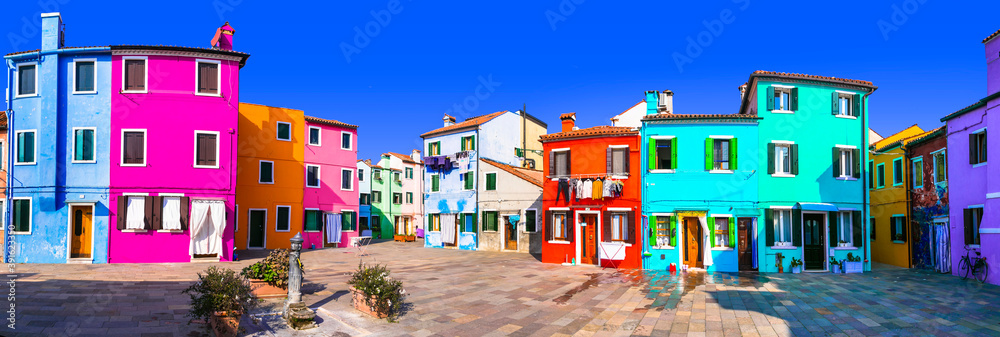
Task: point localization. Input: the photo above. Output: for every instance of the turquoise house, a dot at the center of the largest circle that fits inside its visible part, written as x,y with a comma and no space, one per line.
699,187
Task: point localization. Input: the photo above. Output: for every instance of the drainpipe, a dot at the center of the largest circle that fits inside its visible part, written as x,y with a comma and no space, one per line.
864,191
909,211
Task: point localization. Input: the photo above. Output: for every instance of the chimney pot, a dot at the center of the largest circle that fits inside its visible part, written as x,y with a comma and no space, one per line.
568,121
666,102
448,120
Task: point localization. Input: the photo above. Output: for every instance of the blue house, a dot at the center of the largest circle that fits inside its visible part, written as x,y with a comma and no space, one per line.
699,187
58,190
451,166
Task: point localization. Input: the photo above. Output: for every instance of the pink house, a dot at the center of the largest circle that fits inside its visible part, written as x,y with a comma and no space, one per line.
174,124
331,188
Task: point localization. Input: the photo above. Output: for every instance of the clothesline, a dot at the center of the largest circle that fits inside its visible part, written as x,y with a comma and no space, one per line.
590,175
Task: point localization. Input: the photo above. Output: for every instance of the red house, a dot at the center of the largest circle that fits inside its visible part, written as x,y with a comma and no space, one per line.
591,196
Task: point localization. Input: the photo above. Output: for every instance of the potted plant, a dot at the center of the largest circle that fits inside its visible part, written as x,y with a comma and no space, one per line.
796,266
376,293
221,297
269,276
899,237
778,260
835,266
843,243
853,264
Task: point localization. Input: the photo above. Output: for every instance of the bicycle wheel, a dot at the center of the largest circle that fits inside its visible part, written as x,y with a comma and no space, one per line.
981,271
964,268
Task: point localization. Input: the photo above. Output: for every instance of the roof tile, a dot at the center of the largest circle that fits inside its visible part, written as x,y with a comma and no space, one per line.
517,171
473,121
661,116
995,34
603,130
814,77
329,122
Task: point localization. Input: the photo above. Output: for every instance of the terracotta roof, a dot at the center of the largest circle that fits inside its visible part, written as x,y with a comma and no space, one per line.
928,135
3,121
982,102
329,122
518,172
991,36
663,116
812,77
405,158
63,48
470,122
567,115
626,110
603,130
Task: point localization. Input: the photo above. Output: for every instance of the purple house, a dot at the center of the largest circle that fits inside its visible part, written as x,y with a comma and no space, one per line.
974,207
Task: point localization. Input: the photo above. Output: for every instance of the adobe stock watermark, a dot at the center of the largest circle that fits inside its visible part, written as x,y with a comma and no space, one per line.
486,87
713,29
224,6
363,37
30,28
899,16
565,8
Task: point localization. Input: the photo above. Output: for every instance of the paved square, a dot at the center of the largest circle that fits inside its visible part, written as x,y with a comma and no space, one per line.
463,293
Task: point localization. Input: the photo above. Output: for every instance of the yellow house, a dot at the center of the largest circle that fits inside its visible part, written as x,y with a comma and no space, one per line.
888,171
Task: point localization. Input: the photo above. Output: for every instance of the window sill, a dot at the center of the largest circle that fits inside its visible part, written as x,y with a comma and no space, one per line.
85,92
665,247
205,94
134,230
84,162
307,186
783,175
313,231
978,165
347,149
26,96
847,117
845,248
560,242
973,246
619,243
205,167
128,165
721,249
846,178
662,171
25,164
134,92
782,111
721,171
265,183
310,144
284,140
899,242
170,231
21,233
784,247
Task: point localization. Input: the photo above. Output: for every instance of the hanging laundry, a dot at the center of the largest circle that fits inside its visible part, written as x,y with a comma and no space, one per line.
608,186
574,188
587,188
598,188
562,190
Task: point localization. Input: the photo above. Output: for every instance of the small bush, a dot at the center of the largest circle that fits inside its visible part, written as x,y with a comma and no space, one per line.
220,289
273,269
382,293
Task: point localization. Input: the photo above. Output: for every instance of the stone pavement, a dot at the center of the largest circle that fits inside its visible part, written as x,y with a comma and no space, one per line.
462,293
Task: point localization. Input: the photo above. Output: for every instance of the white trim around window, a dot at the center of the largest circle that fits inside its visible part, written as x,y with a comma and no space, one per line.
277,132
145,145
351,188
258,171
218,77
194,154
318,175
145,65
34,147
276,208
319,136
93,143
72,76
31,210
648,154
846,146
351,145
17,80
721,137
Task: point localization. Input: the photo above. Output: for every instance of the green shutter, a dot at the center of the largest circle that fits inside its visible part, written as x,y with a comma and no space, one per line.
673,153
769,227
20,148
468,180
793,156
463,143
311,223
652,231
711,232
793,99
673,230
836,162
709,142
770,158
770,98
835,108
435,183
732,154
473,143
88,144
491,181
732,232
652,153
461,222
857,106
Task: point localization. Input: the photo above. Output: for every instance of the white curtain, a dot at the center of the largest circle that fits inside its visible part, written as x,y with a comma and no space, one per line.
172,213
943,248
333,227
208,219
705,244
448,228
136,213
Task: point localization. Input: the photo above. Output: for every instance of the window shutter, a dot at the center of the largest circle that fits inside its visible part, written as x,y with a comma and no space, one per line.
672,224
88,144
835,109
711,232
461,222
770,158
78,146
147,219
833,228
797,227
626,160
732,232
547,228
185,211
610,161
856,154
770,98
794,100
857,105
652,230
967,217
793,157
708,153
122,211
606,227
570,227
473,143
857,229
673,153
732,154
463,144
892,229
972,148
651,153
569,164
836,162
630,218
769,227
552,163
20,147
157,218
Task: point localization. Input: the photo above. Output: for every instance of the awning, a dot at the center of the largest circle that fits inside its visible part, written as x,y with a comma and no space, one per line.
815,206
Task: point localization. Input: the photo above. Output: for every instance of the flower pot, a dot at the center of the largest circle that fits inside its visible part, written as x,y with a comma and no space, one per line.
225,324
796,269
404,238
358,298
835,269
853,267
262,289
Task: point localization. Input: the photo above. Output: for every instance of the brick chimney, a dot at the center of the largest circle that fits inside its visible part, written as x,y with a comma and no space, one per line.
224,37
448,120
52,31
652,100
992,64
568,121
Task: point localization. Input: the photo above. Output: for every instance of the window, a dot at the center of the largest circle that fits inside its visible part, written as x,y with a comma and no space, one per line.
435,182
880,176
897,171
314,136
468,143
397,198
312,176
784,159
83,77
871,229
491,221
361,175
722,232
133,147
918,173
27,84
135,214
721,154
26,149
617,161
376,196
783,227
619,227
434,223
283,219
664,234
973,218
491,181
208,77
467,222
347,222
469,180
559,227
409,173
395,177
365,199
977,148
378,174
898,229
409,198
313,220
846,104
871,175
845,235
171,213
206,149
845,163
345,141
530,221
434,149
22,215
940,167
663,154
266,172
134,74
782,98
560,163
83,145
346,180
284,131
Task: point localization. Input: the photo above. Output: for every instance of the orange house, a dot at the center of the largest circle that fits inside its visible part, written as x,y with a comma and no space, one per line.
595,224
270,178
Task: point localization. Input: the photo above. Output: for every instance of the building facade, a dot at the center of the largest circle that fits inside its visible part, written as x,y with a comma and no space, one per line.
410,215
364,168
510,203
591,196
930,230
386,199
331,196
699,190
890,203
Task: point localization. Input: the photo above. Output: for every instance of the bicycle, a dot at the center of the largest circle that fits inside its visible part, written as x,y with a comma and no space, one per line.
975,266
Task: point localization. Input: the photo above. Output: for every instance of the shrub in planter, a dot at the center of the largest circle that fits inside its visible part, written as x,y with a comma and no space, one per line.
273,269
835,266
220,297
375,290
853,264
796,265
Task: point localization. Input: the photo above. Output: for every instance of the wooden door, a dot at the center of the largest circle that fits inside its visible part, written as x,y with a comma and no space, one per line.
256,225
510,234
693,243
743,243
588,222
82,231
813,240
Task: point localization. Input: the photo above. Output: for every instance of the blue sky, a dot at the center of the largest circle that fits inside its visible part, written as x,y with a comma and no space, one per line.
592,57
